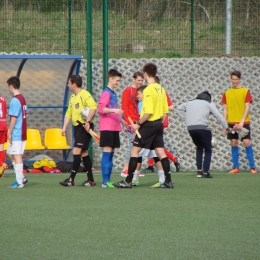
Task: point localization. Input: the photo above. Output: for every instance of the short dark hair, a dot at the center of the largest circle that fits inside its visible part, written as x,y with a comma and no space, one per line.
141,88
138,74
76,79
235,73
113,73
150,69
14,81
157,79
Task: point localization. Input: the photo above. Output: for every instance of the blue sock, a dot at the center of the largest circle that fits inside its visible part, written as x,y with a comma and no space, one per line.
105,166
234,152
250,156
111,164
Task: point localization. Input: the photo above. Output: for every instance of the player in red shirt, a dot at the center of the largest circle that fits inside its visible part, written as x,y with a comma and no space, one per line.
3,134
130,108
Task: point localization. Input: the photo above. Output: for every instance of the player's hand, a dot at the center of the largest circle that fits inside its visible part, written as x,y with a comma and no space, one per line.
87,126
9,137
136,126
118,111
63,132
238,126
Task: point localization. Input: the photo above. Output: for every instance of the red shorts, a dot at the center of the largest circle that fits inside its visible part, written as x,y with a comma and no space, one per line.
3,137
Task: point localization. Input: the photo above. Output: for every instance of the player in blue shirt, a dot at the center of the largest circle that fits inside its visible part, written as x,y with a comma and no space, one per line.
17,130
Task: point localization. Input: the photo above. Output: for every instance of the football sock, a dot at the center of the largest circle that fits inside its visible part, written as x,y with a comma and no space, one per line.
19,173
105,167
250,156
170,156
161,176
131,169
2,157
150,162
111,164
75,166
235,154
88,167
166,168
136,176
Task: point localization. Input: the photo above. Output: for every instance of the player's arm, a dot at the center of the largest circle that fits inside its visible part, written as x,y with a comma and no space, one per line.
104,102
181,110
125,104
169,102
65,124
171,107
242,121
218,116
225,111
11,128
90,102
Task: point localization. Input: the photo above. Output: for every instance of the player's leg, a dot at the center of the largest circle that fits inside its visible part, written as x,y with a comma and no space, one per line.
135,181
158,145
79,136
233,137
130,137
174,159
249,150
161,177
88,167
16,149
109,140
87,160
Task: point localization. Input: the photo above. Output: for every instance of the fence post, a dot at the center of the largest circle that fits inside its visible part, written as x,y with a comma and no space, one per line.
228,29
69,27
192,27
89,56
105,41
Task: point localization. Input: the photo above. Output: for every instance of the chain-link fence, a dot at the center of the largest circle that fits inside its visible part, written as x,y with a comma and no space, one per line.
136,28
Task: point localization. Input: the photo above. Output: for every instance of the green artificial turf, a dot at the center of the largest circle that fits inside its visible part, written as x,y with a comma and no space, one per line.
199,219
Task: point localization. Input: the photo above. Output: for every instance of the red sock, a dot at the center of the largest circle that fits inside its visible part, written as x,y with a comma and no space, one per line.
170,156
2,157
150,162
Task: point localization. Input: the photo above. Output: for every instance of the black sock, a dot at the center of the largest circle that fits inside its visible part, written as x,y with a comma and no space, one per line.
88,167
75,166
166,168
131,169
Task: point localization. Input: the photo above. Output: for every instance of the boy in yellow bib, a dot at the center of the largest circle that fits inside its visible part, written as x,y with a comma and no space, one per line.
236,101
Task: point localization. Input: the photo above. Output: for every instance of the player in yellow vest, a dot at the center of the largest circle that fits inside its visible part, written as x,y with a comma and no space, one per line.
236,101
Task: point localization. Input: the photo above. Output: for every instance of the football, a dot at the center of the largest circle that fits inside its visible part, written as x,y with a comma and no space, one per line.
214,142
84,113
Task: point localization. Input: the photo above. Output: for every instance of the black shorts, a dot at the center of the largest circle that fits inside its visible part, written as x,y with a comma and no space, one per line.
82,137
110,139
231,136
152,135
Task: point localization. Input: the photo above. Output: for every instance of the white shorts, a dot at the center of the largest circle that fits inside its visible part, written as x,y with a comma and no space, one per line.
16,147
147,153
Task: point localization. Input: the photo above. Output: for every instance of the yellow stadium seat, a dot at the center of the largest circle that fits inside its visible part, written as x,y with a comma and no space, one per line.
53,140
34,140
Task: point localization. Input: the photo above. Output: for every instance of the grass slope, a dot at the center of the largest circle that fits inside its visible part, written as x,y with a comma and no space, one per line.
198,219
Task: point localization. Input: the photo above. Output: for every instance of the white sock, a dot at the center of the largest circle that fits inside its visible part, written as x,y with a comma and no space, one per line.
161,176
136,176
19,173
